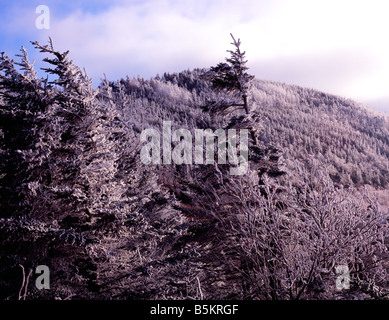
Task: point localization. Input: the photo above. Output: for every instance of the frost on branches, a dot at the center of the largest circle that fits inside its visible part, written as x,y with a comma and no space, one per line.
74,195
59,161
289,238
231,76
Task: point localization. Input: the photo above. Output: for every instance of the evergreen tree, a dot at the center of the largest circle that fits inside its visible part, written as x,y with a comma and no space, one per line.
59,178
24,103
231,77
83,154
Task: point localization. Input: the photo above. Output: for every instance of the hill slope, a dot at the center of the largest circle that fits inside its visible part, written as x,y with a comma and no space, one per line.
77,198
350,139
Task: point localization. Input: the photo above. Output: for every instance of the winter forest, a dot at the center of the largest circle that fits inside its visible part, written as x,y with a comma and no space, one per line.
308,220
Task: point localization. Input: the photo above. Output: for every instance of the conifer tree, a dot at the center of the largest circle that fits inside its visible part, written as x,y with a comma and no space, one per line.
24,108
83,155
232,77
24,103
59,184
232,80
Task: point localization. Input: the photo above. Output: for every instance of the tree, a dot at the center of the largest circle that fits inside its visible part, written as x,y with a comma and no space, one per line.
291,237
83,156
231,80
231,77
59,171
24,103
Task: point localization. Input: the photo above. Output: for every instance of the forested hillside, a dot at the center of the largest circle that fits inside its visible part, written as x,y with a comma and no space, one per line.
77,197
350,139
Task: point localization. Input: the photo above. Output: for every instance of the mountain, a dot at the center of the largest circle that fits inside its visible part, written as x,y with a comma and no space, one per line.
352,140
80,196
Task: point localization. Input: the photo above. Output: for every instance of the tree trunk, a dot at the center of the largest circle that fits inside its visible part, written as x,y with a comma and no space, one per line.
246,107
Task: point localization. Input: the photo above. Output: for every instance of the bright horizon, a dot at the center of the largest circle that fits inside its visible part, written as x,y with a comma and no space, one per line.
338,47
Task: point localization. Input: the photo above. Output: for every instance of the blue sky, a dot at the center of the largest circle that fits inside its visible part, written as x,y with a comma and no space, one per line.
336,46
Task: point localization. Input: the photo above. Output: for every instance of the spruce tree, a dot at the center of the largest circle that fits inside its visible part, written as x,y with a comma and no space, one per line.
231,76
24,102
83,154
232,79
59,183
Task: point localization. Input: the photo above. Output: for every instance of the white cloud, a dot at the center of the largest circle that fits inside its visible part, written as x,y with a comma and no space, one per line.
338,46
151,36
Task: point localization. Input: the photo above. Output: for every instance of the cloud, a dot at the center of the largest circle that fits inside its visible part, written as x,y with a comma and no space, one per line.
334,46
331,71
150,37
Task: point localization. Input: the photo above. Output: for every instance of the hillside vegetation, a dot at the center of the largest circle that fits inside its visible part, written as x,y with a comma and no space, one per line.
76,196
351,140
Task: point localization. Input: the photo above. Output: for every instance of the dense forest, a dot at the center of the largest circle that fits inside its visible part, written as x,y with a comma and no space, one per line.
75,196
352,140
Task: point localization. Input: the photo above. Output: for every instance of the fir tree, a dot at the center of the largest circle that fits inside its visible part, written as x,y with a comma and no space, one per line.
83,161
24,104
59,178
232,77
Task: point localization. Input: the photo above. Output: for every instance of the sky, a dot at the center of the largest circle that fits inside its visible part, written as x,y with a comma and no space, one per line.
336,46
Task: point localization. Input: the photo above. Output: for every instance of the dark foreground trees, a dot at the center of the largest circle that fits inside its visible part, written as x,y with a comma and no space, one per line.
59,167
74,196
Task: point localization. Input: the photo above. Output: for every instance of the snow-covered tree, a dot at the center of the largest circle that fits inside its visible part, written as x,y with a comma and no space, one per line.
291,238
59,156
231,79
24,104
83,154
231,76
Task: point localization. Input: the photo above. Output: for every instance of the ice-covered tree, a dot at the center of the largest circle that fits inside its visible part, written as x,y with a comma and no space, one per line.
232,81
59,171
83,160
25,101
231,76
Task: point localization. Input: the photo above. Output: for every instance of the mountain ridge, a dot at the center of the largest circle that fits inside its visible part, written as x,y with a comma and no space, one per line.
346,135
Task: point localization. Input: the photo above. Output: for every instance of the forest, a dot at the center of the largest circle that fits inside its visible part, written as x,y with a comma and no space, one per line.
76,197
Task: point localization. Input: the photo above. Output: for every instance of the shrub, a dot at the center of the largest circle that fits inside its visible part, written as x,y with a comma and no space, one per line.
289,238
